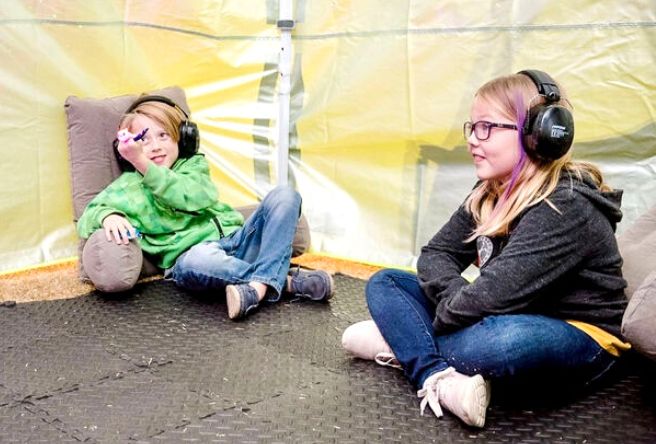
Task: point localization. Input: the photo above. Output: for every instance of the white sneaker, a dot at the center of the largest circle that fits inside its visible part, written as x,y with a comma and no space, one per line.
363,339
467,397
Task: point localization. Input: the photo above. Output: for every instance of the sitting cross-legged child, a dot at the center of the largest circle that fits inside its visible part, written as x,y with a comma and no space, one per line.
546,308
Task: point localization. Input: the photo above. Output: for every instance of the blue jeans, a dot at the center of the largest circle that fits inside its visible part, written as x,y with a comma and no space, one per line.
259,251
521,348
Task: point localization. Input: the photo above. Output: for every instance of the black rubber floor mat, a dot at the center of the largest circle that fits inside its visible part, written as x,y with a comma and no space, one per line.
162,365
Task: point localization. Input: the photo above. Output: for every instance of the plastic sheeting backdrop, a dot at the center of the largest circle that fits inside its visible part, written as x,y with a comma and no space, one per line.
380,90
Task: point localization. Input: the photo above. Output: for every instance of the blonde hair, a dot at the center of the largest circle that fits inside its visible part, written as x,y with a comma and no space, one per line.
493,205
165,115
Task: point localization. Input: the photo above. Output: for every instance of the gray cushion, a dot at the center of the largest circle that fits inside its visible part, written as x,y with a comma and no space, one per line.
638,247
111,267
639,323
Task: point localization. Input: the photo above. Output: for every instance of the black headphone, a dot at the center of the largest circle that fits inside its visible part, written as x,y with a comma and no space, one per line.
549,128
189,137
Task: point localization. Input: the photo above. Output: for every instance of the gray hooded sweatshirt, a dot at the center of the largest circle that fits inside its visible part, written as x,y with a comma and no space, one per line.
564,264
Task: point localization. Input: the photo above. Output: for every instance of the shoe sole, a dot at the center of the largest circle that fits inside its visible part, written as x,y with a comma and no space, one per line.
476,400
331,291
233,300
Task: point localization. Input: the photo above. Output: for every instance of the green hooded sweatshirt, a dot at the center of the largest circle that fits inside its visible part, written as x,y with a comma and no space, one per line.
173,209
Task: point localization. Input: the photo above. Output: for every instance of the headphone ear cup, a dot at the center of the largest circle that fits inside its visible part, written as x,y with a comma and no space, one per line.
548,132
123,164
189,139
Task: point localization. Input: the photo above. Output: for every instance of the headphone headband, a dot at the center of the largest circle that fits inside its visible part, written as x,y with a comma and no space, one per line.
547,86
155,98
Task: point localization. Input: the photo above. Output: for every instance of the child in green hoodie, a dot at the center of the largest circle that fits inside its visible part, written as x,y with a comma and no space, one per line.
166,201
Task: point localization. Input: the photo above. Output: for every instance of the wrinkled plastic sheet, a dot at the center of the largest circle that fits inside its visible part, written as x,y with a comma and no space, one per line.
378,98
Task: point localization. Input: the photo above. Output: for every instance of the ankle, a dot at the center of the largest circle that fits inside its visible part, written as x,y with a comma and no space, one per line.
260,288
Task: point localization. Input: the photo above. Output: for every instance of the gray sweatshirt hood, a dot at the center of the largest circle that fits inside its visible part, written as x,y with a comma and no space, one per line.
608,202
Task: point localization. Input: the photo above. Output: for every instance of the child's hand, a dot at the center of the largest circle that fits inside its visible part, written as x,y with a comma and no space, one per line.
118,229
130,148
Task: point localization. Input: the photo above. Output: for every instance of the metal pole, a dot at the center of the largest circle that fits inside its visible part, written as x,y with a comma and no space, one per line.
285,25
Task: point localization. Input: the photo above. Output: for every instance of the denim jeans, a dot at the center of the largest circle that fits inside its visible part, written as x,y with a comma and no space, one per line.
517,347
259,251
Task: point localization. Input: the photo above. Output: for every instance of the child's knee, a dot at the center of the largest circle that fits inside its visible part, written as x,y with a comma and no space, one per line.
378,282
284,195
380,279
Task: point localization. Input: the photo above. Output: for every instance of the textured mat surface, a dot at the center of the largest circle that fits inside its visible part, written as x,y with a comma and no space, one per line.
165,366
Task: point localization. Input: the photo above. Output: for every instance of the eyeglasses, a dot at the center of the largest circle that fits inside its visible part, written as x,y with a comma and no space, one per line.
481,129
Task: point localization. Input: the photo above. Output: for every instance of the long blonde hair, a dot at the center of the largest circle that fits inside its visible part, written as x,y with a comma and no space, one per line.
495,204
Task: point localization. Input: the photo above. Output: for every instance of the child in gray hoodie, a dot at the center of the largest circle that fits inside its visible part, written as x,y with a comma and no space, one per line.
548,303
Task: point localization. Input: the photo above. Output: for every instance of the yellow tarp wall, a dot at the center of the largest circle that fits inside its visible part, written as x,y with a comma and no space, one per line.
380,91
